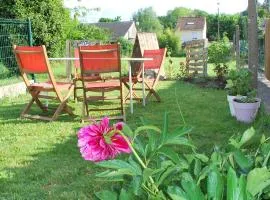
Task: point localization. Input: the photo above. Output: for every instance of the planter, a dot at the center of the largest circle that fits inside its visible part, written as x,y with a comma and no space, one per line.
246,112
230,101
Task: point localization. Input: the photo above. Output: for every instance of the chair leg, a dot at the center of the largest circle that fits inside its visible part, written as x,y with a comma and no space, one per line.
152,92
38,102
122,102
58,110
68,110
27,107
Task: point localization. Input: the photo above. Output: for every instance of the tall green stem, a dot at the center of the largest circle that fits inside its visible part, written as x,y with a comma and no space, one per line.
137,157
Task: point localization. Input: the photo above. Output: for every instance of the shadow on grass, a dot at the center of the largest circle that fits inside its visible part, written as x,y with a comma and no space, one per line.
11,114
59,173
42,161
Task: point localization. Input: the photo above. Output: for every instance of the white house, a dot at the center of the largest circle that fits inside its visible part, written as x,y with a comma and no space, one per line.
191,28
125,29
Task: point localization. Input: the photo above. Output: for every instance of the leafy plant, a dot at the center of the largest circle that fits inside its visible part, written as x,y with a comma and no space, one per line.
239,82
219,54
156,170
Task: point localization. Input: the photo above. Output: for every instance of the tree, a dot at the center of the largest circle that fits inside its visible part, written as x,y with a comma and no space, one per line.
147,20
170,40
49,20
104,19
175,14
227,25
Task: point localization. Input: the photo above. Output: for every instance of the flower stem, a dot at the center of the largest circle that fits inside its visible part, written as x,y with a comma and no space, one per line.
138,158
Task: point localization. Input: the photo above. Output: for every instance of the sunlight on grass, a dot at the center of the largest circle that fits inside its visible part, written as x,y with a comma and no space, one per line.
41,160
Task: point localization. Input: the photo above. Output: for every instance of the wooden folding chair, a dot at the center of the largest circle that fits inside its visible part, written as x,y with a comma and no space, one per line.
34,60
155,65
77,75
100,59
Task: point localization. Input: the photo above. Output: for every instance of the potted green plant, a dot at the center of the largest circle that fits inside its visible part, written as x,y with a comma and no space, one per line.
238,84
246,107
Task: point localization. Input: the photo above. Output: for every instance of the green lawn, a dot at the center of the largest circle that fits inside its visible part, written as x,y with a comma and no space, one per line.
40,160
60,71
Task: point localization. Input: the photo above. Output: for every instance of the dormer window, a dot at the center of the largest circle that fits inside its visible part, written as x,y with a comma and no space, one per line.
190,23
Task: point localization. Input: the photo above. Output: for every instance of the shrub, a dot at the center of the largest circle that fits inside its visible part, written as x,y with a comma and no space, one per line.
219,53
171,41
126,46
239,82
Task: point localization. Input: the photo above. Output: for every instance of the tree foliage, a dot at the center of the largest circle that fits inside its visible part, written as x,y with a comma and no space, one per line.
170,40
79,31
126,46
105,19
147,20
48,20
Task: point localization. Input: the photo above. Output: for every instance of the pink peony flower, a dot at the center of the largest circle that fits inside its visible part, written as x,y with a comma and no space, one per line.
98,142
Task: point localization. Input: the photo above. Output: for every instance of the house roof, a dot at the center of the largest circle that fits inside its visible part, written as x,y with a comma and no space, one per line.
118,29
190,23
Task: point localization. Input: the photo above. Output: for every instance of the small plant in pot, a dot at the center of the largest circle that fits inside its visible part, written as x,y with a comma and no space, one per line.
238,84
246,108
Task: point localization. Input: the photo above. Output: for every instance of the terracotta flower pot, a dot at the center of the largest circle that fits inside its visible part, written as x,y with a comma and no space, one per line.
246,112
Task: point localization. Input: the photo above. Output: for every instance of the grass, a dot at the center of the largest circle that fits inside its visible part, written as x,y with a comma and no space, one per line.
60,71
40,160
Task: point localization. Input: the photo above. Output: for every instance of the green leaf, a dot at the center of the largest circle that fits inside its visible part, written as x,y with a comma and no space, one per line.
176,193
165,127
257,180
152,172
215,184
169,153
135,166
125,195
263,139
243,162
192,189
179,141
138,145
128,131
204,172
202,157
166,173
236,189
197,168
106,195
122,166
117,173
242,188
114,164
151,134
147,128
247,135
135,185
232,185
178,132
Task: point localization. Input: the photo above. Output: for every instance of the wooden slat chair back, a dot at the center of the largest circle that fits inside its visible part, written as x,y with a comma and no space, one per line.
77,75
196,57
156,64
34,60
101,59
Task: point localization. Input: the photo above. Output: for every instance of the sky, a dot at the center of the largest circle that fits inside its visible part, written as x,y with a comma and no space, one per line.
126,8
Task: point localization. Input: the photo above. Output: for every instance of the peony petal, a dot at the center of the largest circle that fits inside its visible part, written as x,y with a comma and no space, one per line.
120,144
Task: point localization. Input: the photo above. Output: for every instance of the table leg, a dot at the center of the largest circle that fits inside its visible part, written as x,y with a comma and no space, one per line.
143,86
130,87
